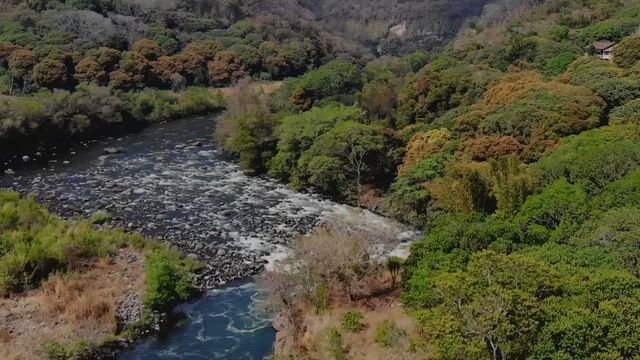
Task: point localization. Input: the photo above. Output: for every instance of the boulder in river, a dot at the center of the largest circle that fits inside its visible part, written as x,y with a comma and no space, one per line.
112,151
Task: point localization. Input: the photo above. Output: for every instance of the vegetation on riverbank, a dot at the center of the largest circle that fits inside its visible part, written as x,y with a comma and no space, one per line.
513,150
59,263
47,119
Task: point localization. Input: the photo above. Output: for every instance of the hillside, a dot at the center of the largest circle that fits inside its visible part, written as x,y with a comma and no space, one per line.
383,27
515,149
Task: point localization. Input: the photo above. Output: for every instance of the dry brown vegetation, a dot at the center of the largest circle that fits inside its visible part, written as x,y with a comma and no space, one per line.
361,345
70,307
329,273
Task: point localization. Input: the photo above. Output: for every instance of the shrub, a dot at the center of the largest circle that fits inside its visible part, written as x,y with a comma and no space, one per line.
628,113
168,280
34,243
78,350
352,321
627,53
100,217
389,334
336,346
394,266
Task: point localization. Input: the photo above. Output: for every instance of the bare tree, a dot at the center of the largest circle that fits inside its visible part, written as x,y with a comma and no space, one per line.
87,26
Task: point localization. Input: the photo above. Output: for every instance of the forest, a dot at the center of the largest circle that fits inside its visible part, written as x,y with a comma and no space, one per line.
515,149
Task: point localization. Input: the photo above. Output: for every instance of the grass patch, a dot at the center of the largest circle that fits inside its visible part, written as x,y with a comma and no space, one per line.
352,321
389,334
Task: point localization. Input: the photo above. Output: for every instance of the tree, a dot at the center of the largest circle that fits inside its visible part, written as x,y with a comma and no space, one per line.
51,73
332,79
627,53
594,158
6,49
133,72
247,128
108,58
629,113
207,49
379,99
21,63
556,211
341,160
490,310
423,145
465,188
88,70
492,147
227,68
297,133
149,49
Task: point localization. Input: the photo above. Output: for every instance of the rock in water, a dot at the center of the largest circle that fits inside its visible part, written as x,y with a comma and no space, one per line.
112,151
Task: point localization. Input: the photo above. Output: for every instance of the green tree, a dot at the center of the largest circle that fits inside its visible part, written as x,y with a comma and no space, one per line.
493,309
51,73
168,282
627,53
629,113
594,158
342,160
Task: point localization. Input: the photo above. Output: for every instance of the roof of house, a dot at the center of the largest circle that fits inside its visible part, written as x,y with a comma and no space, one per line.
603,45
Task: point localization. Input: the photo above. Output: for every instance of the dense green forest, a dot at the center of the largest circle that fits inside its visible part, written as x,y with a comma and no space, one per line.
515,148
125,55
72,70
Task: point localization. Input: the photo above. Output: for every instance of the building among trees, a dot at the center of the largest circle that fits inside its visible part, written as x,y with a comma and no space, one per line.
604,49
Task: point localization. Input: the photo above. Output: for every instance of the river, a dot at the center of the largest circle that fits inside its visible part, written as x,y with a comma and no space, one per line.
171,183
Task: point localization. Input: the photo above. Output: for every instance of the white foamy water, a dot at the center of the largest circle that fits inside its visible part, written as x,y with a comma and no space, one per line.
171,182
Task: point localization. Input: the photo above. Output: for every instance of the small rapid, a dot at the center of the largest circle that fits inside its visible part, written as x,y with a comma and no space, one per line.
171,183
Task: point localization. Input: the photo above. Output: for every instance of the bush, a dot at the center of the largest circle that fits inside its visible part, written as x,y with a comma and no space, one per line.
336,346
100,217
78,350
389,334
628,113
168,280
627,53
35,243
352,321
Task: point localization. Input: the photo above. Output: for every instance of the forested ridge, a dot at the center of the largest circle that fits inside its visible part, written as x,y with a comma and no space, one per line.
126,55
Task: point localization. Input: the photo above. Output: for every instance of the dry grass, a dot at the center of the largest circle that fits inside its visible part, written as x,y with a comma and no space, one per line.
71,307
360,345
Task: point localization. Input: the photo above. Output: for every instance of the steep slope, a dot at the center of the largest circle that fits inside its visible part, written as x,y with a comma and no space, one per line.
387,27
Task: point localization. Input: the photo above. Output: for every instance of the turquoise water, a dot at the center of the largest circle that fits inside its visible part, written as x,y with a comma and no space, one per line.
224,324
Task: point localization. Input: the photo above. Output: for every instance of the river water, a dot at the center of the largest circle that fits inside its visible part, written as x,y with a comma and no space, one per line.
171,183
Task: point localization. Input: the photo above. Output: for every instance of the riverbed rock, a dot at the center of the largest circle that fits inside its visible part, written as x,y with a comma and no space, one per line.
112,150
196,201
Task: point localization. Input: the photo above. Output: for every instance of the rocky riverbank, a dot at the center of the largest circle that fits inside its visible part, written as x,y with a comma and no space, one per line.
169,182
